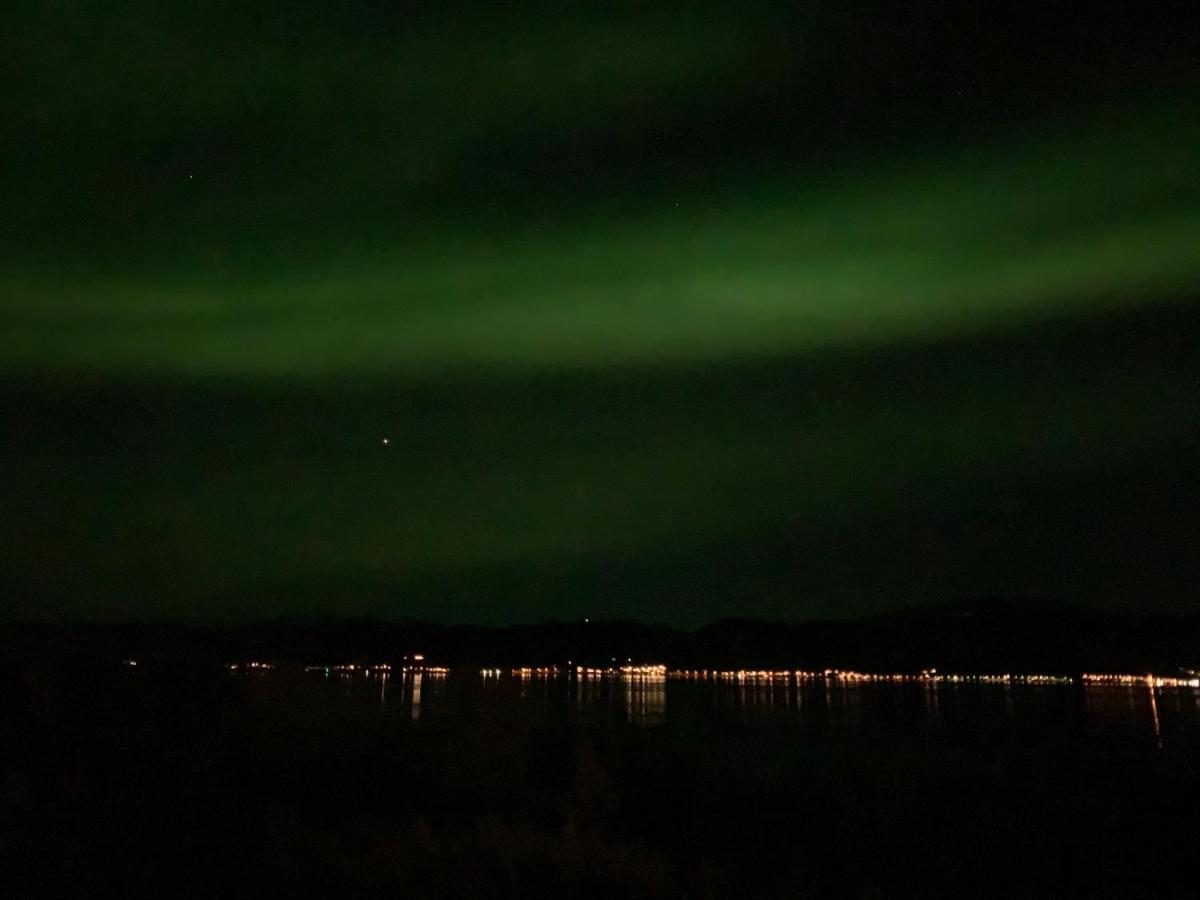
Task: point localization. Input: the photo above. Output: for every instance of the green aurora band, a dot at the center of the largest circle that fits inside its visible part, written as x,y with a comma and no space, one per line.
955,365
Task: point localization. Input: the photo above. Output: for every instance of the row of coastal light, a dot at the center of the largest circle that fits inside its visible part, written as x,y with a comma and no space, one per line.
416,665
366,668
632,671
851,675
661,671
379,668
649,671
753,675
1138,680
928,676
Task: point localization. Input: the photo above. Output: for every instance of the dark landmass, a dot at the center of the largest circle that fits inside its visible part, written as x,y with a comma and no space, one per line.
197,783
969,637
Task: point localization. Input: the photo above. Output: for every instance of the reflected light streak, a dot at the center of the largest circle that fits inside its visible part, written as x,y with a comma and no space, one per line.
1154,713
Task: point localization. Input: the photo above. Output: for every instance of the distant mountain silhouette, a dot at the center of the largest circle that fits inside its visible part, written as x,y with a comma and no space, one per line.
985,635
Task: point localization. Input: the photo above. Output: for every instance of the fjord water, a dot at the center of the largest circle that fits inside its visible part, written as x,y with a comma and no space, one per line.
420,784
1140,715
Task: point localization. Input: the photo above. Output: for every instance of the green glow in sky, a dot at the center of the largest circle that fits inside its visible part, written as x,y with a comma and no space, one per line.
1053,225
306,314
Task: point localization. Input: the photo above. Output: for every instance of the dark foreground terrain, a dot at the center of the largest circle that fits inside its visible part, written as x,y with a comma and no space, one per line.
190,781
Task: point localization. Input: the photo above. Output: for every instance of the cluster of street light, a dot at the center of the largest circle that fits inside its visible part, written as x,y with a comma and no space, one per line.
252,666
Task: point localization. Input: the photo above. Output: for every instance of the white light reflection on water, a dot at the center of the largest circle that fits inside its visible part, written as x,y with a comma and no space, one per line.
645,697
1154,713
933,708
846,701
1162,711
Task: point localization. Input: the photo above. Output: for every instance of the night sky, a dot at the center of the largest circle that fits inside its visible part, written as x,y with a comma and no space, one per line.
607,310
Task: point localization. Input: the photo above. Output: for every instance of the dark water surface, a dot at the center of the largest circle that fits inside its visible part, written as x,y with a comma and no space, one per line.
1141,715
305,784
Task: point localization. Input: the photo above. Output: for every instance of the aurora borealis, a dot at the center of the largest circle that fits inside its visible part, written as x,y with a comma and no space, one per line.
508,316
